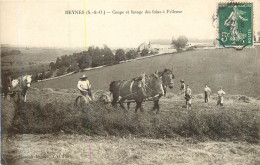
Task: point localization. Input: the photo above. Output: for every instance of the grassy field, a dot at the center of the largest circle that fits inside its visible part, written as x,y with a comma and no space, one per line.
80,149
238,72
50,130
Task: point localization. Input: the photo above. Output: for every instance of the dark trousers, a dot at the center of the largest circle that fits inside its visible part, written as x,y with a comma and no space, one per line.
206,97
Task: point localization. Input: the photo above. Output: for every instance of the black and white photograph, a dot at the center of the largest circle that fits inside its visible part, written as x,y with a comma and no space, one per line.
130,82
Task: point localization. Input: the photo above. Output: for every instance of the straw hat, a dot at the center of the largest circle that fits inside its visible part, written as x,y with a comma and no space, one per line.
83,77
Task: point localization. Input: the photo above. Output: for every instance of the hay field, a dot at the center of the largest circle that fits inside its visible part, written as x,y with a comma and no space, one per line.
238,72
79,149
51,131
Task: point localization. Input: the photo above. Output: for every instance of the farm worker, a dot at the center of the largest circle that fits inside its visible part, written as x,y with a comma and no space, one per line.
188,97
183,87
84,86
221,94
207,92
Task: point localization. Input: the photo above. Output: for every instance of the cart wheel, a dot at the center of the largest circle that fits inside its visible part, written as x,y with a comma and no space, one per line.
81,102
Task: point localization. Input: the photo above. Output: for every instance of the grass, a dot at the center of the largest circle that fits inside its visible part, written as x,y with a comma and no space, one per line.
236,71
49,111
76,149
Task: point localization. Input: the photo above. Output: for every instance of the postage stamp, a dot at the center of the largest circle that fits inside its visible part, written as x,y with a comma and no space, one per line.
235,24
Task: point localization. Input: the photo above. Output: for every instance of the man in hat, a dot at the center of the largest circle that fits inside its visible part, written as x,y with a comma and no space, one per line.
207,92
84,86
221,94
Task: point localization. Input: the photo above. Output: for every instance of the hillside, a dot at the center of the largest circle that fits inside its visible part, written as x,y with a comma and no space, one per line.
38,55
237,72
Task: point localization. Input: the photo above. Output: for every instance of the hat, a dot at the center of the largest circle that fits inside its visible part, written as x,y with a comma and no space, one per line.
182,81
83,77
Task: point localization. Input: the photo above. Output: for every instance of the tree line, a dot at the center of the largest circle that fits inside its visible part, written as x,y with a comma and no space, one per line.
96,56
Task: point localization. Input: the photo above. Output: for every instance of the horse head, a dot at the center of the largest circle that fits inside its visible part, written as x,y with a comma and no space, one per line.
168,78
155,85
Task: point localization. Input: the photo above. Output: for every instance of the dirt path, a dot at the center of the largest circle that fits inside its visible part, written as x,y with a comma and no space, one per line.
76,149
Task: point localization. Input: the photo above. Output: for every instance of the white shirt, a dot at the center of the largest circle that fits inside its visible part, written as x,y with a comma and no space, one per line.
207,89
221,93
188,92
83,85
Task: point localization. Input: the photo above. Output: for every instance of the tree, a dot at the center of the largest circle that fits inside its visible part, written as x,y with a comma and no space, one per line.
73,67
180,42
131,54
52,65
58,63
109,58
49,74
144,52
65,61
97,58
120,55
61,71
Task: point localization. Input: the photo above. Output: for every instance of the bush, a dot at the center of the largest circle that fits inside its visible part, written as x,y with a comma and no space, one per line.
131,54
49,74
144,52
120,55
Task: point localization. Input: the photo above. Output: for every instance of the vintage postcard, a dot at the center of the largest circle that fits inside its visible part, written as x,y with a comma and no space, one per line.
130,82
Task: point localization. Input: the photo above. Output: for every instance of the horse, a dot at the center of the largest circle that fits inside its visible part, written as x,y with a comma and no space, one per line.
167,81
21,85
136,89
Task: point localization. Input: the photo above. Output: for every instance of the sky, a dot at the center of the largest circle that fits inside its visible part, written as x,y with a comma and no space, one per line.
45,24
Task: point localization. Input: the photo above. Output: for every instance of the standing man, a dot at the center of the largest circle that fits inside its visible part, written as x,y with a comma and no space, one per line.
221,94
207,92
183,89
188,97
84,86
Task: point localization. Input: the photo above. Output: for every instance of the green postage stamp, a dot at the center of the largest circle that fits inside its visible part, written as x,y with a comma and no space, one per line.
235,24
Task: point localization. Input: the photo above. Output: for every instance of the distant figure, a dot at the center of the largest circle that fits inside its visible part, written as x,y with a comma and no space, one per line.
207,92
84,86
183,87
221,94
188,97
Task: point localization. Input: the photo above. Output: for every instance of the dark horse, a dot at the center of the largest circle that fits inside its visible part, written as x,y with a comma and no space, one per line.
136,89
168,81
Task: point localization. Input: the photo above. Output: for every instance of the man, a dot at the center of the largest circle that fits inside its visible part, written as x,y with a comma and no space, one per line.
183,87
207,92
84,86
221,94
188,97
